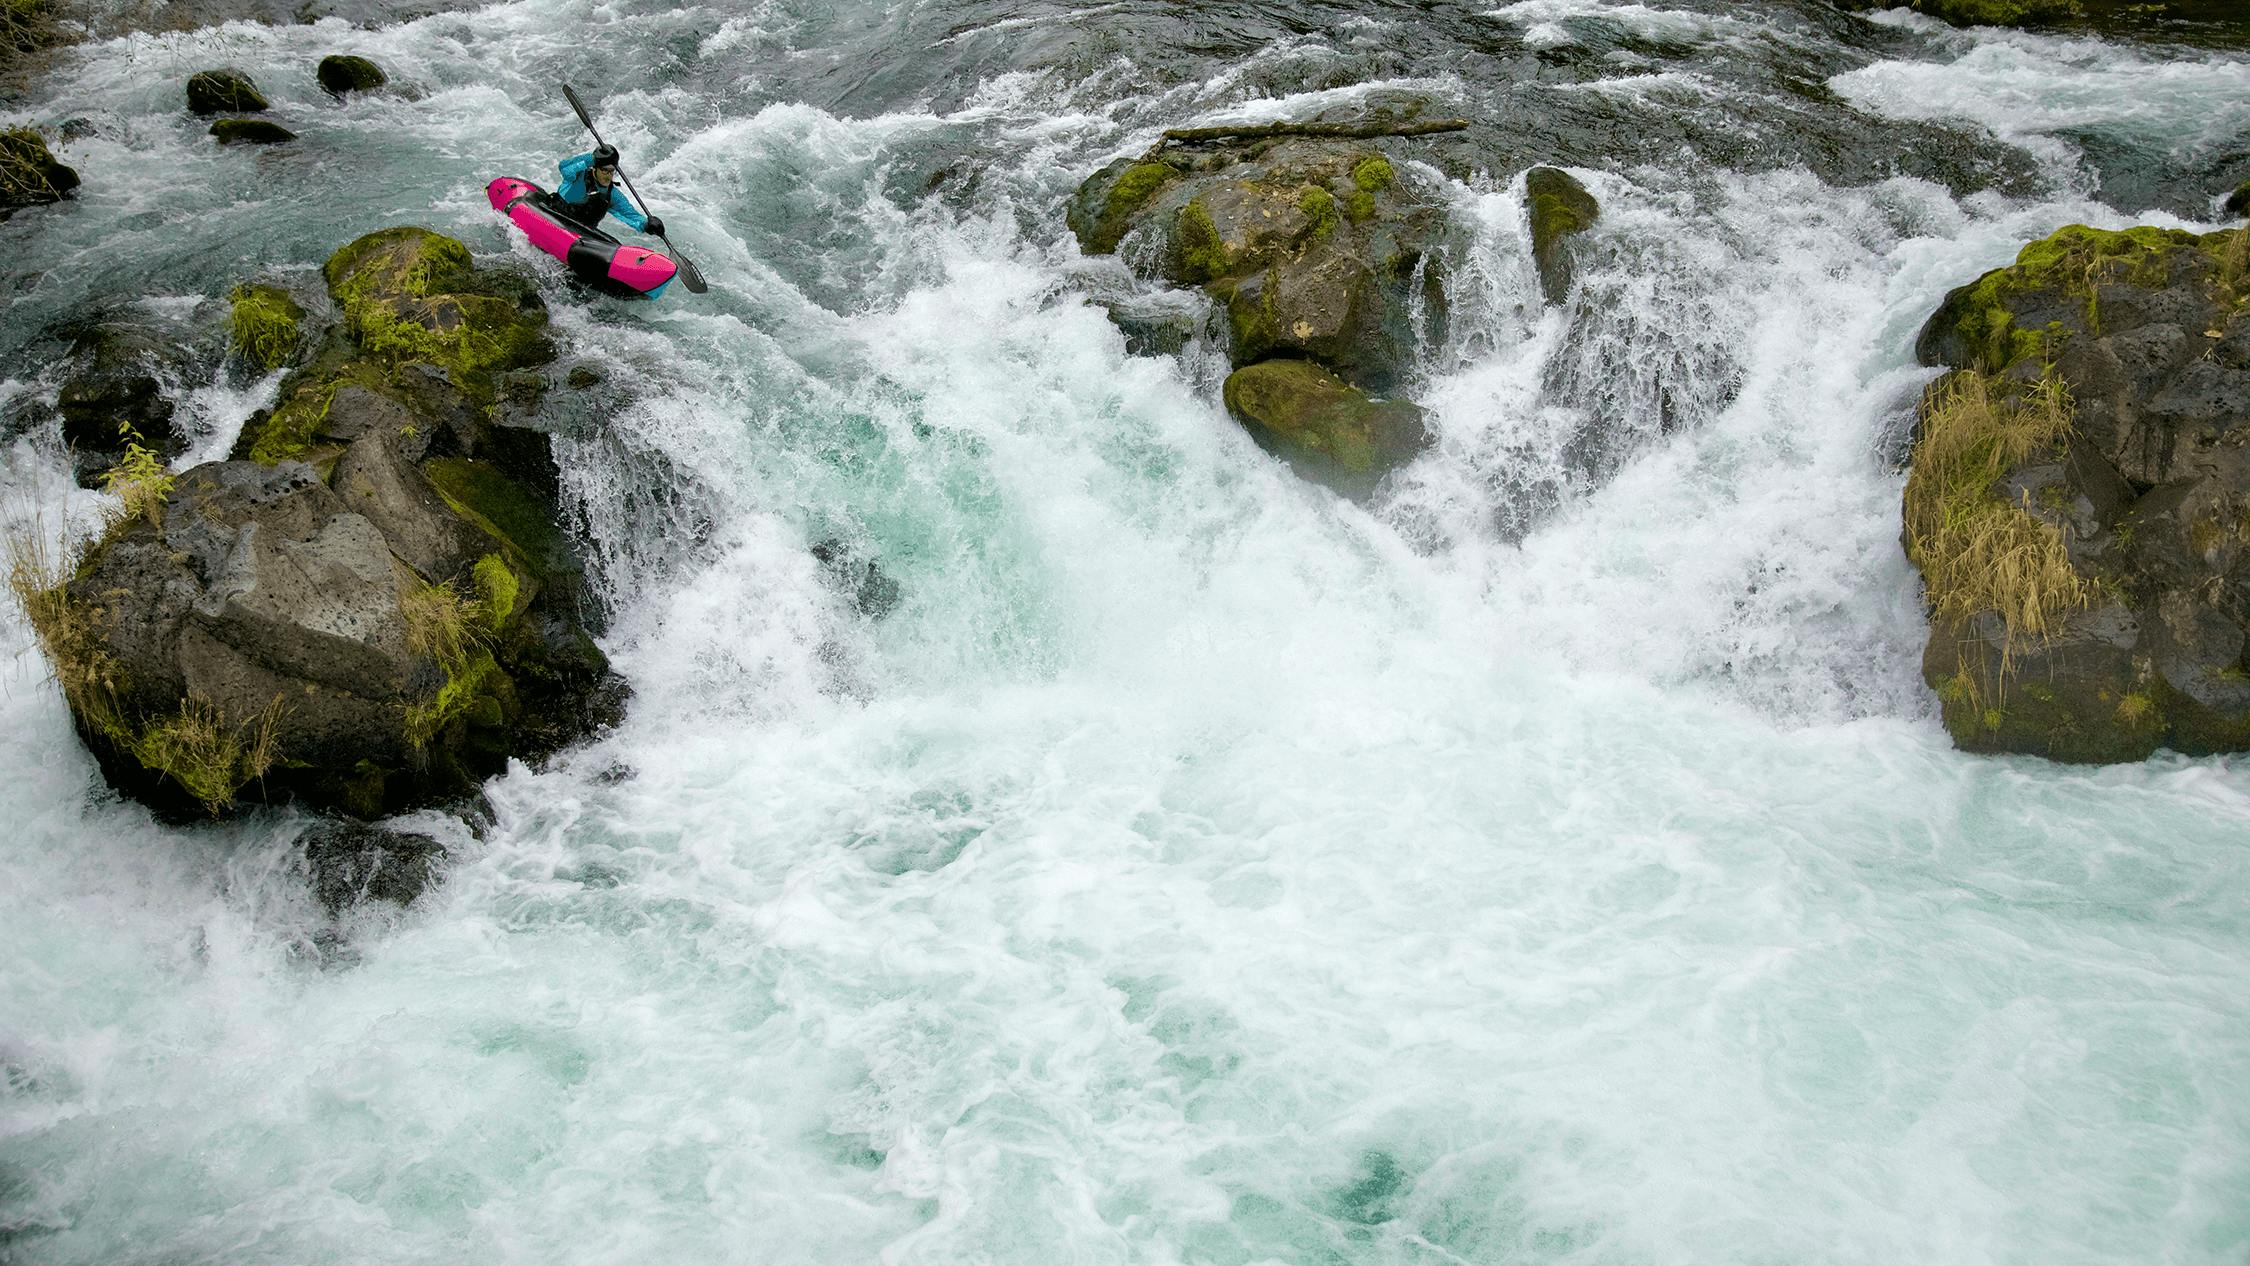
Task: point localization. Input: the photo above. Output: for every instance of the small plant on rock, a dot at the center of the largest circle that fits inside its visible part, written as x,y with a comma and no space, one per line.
140,479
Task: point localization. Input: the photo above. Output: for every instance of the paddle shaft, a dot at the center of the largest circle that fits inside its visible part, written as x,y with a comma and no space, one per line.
689,273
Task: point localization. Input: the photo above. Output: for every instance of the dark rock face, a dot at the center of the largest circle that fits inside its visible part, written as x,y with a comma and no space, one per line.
353,862
250,132
2238,202
370,608
2079,493
30,175
1560,208
223,91
114,395
1320,250
342,73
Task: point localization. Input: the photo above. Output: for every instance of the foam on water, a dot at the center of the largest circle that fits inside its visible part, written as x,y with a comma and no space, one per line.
1555,862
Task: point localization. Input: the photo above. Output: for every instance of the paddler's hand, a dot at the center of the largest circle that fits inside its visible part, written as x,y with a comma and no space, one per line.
654,227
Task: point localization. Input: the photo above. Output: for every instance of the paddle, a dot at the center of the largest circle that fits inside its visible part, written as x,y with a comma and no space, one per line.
689,273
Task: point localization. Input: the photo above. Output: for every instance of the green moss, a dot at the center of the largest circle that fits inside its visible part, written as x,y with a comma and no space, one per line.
2074,261
1203,256
512,513
208,758
265,326
497,590
408,294
1319,207
465,685
1136,186
1374,174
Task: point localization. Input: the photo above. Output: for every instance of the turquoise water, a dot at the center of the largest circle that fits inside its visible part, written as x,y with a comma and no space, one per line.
1558,861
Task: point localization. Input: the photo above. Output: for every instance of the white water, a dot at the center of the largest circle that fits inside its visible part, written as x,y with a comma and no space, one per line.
1194,868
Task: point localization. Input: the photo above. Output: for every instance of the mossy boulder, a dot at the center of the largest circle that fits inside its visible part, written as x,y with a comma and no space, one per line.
2079,502
422,325
2024,13
341,73
2238,202
30,174
265,326
372,607
1559,208
1319,248
1327,430
223,91
250,132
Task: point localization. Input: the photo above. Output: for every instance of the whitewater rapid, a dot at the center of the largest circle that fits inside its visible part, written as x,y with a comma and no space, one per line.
1558,861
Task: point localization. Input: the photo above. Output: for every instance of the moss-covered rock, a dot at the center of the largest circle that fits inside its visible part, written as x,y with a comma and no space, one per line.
265,326
2238,202
30,175
1319,247
2079,502
250,132
414,306
372,609
223,91
341,73
2026,13
1559,208
1326,429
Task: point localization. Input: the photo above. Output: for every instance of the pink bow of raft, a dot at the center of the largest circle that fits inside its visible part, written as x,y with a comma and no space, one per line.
592,255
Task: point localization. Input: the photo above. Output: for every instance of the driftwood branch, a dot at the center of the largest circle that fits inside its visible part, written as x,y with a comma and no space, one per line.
1351,131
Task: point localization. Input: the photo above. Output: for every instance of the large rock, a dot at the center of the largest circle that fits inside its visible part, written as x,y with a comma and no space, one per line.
250,132
223,91
341,73
1318,247
1326,429
30,175
1559,208
2078,498
371,608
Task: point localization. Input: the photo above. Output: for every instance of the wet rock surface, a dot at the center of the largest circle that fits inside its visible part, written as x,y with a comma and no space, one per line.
223,91
370,607
2078,503
1322,251
341,73
30,174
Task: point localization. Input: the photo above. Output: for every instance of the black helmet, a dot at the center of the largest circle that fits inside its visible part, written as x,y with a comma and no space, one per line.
605,156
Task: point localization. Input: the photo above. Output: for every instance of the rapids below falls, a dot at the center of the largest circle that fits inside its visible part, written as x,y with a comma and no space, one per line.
1557,860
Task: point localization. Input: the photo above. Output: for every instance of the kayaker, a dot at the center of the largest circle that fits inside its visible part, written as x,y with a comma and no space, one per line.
589,191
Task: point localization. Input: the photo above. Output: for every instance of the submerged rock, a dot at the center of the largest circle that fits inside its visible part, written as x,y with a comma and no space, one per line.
1326,429
2079,502
30,174
341,73
370,608
353,862
1559,208
250,132
223,91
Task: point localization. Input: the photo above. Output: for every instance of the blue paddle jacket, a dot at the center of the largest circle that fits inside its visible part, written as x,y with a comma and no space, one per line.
580,193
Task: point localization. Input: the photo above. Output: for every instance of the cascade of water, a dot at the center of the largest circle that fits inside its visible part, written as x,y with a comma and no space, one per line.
1556,861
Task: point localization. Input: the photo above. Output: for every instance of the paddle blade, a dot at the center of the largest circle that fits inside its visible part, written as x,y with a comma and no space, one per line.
580,106
690,275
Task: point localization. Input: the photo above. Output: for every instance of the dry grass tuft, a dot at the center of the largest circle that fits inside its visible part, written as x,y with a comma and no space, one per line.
196,748
1977,552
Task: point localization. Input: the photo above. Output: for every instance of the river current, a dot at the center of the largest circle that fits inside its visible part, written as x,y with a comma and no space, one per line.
1556,861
